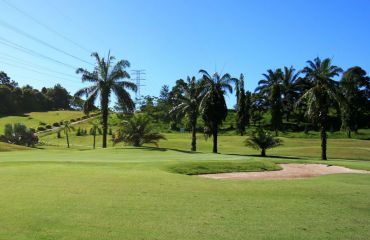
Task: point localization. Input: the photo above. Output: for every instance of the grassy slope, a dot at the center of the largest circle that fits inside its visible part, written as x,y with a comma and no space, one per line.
33,119
5,147
129,194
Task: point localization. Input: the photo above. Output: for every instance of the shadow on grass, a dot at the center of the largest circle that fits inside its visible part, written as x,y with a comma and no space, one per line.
159,149
268,156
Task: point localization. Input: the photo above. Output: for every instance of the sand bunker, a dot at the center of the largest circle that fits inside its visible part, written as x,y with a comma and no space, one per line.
289,171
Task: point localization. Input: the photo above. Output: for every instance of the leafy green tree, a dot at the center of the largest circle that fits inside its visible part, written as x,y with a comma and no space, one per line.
289,80
355,99
271,89
321,95
189,104
262,140
67,128
213,105
137,131
5,80
19,134
241,111
94,130
106,78
248,107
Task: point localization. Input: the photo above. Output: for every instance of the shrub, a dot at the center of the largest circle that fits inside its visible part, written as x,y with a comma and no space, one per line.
40,128
19,134
262,140
78,119
73,120
56,124
85,117
59,135
48,127
42,123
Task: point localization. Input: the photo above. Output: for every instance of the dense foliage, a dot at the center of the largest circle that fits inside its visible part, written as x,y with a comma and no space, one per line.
19,134
262,140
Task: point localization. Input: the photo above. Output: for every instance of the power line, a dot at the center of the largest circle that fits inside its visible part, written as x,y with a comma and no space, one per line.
45,26
19,31
35,71
31,52
8,57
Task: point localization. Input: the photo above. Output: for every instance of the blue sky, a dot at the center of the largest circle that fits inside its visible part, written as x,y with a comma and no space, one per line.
173,39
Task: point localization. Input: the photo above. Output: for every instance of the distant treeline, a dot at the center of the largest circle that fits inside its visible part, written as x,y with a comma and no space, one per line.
16,100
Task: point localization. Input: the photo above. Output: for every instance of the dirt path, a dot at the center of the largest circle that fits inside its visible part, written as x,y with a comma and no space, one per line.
289,171
72,123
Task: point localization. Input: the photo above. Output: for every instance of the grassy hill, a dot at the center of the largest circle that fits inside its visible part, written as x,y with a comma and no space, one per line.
34,119
5,147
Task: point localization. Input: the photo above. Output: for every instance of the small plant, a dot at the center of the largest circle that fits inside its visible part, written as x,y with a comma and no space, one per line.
262,140
42,123
137,131
59,135
56,124
40,128
110,132
48,127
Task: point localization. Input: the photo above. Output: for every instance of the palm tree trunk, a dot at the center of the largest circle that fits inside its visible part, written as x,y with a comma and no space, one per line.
67,138
263,152
94,141
104,106
323,142
194,135
215,133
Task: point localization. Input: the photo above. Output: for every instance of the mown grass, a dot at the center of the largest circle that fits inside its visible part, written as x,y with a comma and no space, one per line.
206,167
33,119
5,147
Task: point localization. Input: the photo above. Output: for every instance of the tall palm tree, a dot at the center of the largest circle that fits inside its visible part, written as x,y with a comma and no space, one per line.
192,94
271,88
289,80
213,105
67,128
107,78
321,95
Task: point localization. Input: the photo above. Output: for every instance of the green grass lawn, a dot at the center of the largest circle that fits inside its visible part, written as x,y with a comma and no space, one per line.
136,193
33,119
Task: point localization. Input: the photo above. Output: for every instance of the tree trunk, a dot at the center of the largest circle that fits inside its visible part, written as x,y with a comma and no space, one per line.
104,106
67,138
193,136
94,141
349,133
323,142
263,152
215,133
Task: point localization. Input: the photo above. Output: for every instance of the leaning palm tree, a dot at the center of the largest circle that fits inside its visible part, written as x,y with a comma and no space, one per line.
213,105
66,128
94,130
137,131
107,78
189,102
271,88
262,140
321,95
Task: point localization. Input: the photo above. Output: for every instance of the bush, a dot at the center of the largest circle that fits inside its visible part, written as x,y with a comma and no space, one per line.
42,123
48,127
40,128
85,117
262,140
56,124
78,119
19,134
73,120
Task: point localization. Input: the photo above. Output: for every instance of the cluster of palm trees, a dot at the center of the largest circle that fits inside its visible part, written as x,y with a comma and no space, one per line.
282,90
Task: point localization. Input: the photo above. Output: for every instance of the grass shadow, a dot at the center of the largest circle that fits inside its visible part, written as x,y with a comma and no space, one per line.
268,156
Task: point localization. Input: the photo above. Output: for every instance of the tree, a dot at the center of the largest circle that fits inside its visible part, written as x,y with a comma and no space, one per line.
289,79
213,105
241,111
19,134
94,130
137,131
189,104
353,85
67,128
262,140
320,96
271,88
248,106
106,79
5,80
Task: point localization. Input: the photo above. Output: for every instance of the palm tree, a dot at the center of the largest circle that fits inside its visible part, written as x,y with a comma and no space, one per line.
271,89
262,140
107,78
137,131
289,80
213,105
353,86
66,128
320,96
189,103
94,130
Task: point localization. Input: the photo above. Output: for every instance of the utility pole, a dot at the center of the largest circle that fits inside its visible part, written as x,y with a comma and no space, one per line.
138,77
